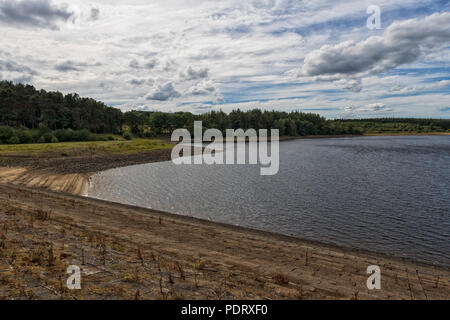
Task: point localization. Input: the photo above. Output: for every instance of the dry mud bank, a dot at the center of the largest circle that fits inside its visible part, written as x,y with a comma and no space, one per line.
133,253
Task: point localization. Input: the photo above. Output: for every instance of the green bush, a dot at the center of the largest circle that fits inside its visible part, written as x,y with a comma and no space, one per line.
43,130
149,134
44,135
127,136
14,140
64,135
6,133
24,136
81,135
48,137
111,138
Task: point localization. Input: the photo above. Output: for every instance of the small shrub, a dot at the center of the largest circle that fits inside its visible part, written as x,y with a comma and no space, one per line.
24,136
43,130
14,140
127,136
199,265
280,279
6,133
81,135
41,139
48,137
64,135
54,139
149,134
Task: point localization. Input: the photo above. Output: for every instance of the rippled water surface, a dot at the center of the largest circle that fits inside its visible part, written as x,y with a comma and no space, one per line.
384,194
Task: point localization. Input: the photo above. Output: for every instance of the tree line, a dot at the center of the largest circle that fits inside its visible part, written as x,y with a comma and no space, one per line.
29,115
24,106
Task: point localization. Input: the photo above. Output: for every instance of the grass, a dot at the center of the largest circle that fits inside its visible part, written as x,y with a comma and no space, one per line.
119,147
406,133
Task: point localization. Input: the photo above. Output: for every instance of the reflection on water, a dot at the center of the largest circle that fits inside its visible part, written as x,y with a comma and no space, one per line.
384,194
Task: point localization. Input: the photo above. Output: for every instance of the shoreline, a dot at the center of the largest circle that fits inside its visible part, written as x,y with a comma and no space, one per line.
320,271
53,174
45,182
279,236
217,260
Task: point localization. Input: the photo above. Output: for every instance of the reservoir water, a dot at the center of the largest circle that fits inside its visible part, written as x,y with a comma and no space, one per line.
383,194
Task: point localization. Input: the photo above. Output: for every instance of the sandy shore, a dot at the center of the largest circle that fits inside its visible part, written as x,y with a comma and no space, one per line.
128,252
68,174
74,183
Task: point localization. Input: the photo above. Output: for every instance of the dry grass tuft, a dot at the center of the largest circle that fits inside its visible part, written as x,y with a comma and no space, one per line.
42,215
280,279
199,265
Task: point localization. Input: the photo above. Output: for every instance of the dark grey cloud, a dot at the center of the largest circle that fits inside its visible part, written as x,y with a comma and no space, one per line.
22,79
70,65
15,67
32,13
95,14
25,79
151,64
134,64
402,42
194,74
137,82
140,82
163,92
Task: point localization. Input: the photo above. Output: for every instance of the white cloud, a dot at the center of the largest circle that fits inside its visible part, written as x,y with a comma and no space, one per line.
163,92
202,88
194,74
401,43
422,87
369,108
349,84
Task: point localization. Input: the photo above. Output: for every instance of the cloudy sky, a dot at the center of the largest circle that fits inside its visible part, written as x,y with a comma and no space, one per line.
316,55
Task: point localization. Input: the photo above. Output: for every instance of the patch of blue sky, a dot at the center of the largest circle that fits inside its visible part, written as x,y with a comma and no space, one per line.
423,9
336,25
359,19
256,91
411,71
444,91
318,109
436,79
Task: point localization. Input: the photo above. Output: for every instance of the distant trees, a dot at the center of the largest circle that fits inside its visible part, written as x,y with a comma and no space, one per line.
9,135
140,123
28,115
393,125
24,106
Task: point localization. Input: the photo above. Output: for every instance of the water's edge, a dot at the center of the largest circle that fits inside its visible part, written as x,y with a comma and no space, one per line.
246,227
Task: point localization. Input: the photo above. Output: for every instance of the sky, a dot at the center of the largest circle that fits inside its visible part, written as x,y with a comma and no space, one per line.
313,56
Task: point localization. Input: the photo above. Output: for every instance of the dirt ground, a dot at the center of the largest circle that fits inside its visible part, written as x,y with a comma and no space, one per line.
68,174
132,253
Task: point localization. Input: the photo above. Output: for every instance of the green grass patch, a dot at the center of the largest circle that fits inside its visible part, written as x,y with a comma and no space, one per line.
92,147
